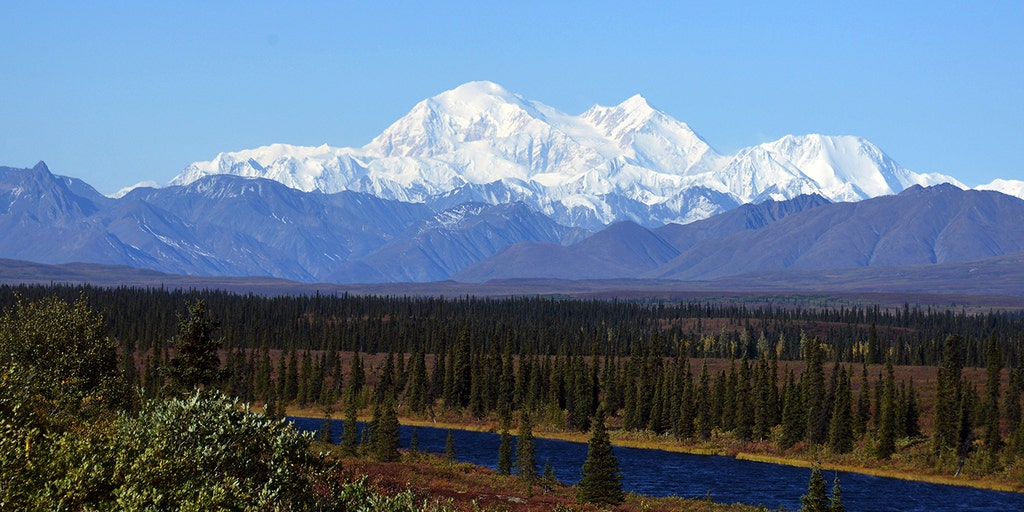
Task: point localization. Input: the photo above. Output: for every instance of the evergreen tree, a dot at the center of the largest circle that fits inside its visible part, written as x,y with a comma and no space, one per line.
836,501
305,379
526,452
326,433
885,435
547,478
812,384
993,439
744,403
356,375
873,355
505,453
948,395
418,388
195,363
860,424
763,401
1011,404
385,389
350,428
965,425
600,481
291,379
840,436
816,499
912,427
449,446
414,442
702,416
793,421
384,433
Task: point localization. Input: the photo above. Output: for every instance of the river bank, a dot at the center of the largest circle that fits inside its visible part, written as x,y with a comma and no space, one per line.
903,467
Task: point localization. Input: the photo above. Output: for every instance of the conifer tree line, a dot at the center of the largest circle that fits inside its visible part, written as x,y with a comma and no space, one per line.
147,317
559,362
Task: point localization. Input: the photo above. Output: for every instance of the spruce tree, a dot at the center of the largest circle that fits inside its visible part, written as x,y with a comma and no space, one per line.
449,446
195,363
840,436
792,414
526,452
326,433
1011,404
350,428
993,439
863,416
291,379
912,427
812,384
600,482
384,434
836,501
505,453
418,386
816,499
702,422
885,434
547,478
948,395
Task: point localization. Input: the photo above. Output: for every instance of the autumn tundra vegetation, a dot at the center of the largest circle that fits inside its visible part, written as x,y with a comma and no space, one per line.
123,398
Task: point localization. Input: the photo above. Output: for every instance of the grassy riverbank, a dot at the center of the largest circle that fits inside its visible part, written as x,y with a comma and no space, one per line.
910,463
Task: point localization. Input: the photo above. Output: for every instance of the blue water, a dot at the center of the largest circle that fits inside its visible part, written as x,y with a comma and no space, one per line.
724,479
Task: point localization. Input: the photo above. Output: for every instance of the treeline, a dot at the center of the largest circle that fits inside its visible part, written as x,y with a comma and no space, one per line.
818,402
560,361
144,318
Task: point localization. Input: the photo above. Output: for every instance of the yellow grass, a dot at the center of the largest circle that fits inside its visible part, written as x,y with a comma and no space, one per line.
721,447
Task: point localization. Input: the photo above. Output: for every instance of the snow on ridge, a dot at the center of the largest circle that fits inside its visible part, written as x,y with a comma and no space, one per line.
1009,187
142,184
479,133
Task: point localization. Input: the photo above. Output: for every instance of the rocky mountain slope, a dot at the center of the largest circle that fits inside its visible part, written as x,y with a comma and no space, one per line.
629,162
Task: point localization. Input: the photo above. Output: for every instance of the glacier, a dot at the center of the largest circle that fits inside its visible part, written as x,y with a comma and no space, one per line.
629,162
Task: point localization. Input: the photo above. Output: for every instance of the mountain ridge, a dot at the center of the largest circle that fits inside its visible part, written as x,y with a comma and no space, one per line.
608,164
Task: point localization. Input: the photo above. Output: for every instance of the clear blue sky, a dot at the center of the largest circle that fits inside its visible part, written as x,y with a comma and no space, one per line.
120,92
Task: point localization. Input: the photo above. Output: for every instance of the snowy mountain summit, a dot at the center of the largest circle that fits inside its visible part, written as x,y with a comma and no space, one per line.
482,143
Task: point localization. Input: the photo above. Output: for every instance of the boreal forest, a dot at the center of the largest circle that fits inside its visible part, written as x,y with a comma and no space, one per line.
925,389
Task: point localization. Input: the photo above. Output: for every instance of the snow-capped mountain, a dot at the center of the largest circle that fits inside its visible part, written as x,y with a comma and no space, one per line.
480,142
1009,187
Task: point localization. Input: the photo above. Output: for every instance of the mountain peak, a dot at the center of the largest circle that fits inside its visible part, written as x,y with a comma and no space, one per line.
610,163
636,103
474,98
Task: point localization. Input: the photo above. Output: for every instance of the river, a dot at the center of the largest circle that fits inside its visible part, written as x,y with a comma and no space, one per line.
723,479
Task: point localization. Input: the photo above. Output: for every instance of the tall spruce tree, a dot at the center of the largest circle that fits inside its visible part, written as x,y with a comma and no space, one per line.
385,432
885,434
840,436
350,427
600,481
863,416
793,421
505,453
993,437
812,384
195,363
526,451
948,395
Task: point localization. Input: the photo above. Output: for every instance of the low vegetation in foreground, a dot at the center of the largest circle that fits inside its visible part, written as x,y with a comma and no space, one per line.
73,436
86,418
